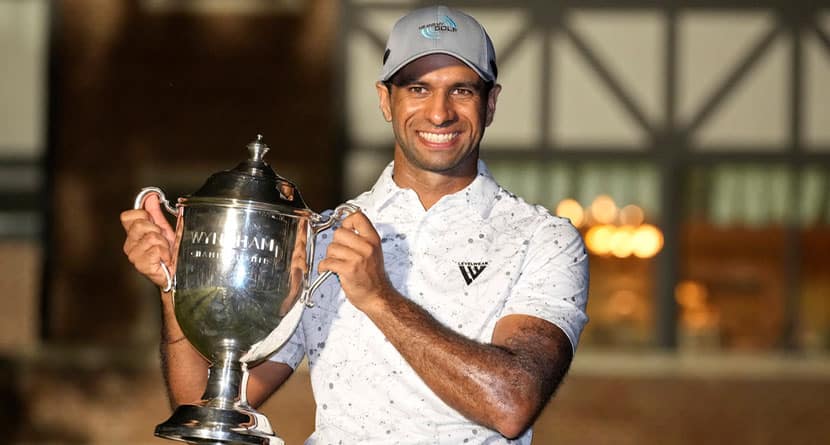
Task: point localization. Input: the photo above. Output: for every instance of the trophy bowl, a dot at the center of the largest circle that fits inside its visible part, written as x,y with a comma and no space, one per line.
240,281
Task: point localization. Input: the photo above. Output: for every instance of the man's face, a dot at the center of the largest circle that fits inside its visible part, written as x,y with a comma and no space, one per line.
438,109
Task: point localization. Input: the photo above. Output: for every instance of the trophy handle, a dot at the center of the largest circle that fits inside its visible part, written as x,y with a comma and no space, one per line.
139,204
339,214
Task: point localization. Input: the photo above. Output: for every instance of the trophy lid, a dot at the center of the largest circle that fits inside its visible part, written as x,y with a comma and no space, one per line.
252,180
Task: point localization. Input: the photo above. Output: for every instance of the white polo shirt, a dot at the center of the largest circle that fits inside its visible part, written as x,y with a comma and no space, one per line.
475,256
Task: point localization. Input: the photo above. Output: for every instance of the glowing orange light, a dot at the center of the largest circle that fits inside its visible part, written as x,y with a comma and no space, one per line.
622,241
598,239
699,320
691,294
647,241
569,208
631,215
624,303
603,209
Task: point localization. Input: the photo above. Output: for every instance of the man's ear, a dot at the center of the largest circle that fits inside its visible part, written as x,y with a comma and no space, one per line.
385,99
492,97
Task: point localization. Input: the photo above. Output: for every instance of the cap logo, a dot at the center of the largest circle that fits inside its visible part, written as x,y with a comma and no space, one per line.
433,30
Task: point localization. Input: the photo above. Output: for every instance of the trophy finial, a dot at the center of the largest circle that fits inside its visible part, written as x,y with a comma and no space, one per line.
257,149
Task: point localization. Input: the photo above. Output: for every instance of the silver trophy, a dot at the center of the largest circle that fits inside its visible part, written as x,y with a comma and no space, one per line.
240,281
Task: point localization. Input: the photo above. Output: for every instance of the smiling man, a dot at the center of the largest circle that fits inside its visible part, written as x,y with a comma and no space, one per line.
458,305
438,108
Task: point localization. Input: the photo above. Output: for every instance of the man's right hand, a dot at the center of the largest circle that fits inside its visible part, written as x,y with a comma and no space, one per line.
150,240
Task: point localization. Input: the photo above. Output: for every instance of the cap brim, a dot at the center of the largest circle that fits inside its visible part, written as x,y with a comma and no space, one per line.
388,75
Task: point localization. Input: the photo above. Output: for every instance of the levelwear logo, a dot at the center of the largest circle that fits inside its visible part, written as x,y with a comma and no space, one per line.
433,31
471,271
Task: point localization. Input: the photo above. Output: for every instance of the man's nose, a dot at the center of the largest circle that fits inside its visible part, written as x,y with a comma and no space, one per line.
440,110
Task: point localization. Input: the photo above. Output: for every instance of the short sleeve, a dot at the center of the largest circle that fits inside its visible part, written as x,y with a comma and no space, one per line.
293,351
553,284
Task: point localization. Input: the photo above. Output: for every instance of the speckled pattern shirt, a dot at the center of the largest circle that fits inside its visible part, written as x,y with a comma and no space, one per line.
475,256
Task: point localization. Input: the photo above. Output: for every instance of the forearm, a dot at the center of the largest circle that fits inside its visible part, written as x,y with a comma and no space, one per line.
494,385
183,368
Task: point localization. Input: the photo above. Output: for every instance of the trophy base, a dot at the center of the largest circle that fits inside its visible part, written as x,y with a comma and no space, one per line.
203,425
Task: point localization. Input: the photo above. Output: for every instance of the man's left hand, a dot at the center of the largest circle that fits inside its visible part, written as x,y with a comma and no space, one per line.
355,255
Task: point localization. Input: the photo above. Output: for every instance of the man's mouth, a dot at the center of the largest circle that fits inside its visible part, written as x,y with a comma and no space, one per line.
438,138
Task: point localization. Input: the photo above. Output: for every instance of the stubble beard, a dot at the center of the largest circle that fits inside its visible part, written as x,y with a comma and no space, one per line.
442,166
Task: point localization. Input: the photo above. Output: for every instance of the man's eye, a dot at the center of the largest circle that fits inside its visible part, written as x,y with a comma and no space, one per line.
417,90
463,91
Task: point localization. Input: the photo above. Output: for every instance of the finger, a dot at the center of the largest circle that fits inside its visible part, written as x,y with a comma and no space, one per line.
148,241
333,265
348,237
129,217
152,205
358,223
148,263
148,256
141,228
364,244
342,252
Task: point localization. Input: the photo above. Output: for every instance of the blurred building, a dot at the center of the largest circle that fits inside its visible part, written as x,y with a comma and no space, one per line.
688,140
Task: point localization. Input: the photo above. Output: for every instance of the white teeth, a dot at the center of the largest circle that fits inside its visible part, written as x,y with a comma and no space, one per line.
437,138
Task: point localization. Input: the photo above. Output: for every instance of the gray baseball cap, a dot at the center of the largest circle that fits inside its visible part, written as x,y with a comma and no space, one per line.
439,30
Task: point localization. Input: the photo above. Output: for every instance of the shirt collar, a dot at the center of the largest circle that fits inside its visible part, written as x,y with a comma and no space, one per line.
479,195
